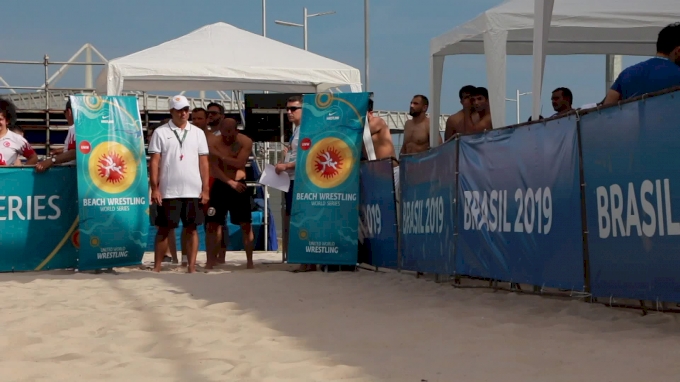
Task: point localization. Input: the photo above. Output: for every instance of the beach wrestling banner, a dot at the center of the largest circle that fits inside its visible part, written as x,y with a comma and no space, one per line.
519,216
428,196
113,187
630,165
378,214
324,216
38,219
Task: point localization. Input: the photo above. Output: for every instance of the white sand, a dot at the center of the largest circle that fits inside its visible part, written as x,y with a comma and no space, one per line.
272,325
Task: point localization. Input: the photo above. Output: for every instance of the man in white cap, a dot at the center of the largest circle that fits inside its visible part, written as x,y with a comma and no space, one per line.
179,179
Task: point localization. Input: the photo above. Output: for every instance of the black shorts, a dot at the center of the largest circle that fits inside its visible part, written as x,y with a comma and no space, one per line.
223,199
187,210
153,214
289,198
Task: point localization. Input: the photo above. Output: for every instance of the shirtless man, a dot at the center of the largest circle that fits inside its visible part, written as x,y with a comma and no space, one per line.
417,130
215,116
480,100
455,124
199,118
229,155
382,140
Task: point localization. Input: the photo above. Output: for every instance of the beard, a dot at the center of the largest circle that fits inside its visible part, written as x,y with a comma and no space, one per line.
414,113
214,123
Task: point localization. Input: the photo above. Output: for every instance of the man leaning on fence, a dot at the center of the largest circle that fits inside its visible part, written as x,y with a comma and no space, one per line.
68,155
656,74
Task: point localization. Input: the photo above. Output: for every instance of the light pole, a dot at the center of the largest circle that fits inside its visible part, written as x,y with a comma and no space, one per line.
264,18
366,24
305,16
516,99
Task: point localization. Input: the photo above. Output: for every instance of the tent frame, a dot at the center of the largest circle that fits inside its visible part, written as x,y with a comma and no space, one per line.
625,31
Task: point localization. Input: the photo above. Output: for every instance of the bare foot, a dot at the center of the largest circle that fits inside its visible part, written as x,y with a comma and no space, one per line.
157,269
191,269
250,265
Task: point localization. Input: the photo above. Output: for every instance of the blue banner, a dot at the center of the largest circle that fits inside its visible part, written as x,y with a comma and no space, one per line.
324,216
378,213
113,186
520,201
428,195
630,164
38,219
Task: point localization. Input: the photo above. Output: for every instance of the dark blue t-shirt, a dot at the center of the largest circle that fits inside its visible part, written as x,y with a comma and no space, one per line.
648,76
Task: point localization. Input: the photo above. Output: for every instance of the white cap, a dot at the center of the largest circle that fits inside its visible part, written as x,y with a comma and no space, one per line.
178,102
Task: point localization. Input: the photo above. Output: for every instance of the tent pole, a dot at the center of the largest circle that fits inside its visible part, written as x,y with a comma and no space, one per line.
366,30
613,69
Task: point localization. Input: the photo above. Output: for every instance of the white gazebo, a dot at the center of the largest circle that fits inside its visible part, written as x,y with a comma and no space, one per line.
222,57
622,27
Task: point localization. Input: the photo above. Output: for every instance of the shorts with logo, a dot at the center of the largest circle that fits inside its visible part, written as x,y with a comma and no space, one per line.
223,199
187,210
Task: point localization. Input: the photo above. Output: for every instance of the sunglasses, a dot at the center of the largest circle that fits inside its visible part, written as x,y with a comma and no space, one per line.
293,109
213,112
184,110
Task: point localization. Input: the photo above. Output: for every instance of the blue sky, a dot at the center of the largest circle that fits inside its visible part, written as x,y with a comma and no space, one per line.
401,31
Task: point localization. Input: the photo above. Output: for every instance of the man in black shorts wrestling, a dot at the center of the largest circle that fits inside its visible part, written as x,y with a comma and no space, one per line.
229,153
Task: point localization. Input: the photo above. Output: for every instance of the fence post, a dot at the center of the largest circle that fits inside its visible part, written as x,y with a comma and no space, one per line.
455,211
584,220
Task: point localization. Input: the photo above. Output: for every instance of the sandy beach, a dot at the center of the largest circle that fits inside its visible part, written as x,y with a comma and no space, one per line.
271,325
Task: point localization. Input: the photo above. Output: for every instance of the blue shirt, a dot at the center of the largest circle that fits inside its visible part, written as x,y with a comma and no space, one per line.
649,76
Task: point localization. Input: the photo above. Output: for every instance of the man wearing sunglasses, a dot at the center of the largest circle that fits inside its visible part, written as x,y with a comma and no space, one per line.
215,117
294,111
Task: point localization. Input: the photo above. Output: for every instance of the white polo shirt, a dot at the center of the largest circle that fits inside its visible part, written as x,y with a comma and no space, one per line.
180,175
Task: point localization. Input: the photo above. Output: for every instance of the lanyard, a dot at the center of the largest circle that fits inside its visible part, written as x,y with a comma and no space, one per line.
292,137
181,141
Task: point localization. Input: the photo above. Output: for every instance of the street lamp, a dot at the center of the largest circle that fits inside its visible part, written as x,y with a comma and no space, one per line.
517,100
305,16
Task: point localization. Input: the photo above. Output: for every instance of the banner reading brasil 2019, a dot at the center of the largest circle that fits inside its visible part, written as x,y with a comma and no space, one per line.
112,181
324,217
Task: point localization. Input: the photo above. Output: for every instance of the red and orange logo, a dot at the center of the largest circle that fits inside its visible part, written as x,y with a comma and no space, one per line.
329,162
111,167
75,238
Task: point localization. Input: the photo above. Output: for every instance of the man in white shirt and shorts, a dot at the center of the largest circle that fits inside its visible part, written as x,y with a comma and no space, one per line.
179,179
68,155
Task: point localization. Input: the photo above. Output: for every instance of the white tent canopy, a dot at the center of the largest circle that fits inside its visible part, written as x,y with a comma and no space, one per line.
625,27
222,57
